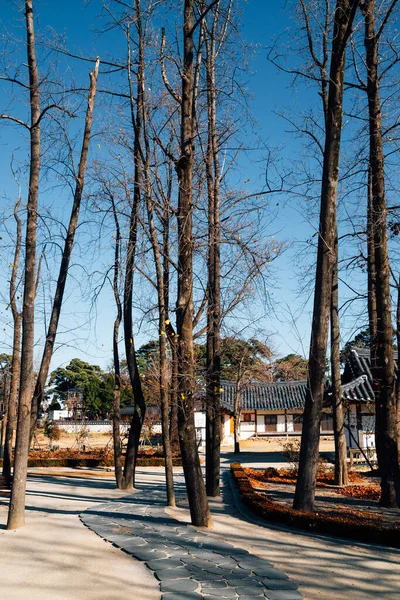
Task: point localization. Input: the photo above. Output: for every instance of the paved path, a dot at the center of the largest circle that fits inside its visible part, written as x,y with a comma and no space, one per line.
326,568
190,563
54,557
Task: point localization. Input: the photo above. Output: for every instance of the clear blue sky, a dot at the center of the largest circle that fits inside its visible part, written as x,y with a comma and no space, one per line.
262,20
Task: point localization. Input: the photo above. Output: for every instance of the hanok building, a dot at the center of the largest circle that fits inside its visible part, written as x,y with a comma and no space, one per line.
267,409
276,409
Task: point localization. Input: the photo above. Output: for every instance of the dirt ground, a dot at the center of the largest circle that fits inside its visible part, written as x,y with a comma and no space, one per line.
69,440
101,440
277,444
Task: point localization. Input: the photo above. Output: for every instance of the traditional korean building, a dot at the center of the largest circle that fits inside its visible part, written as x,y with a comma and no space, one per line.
267,409
276,409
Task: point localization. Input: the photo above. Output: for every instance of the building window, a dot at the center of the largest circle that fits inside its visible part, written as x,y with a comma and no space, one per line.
297,422
271,422
327,423
247,417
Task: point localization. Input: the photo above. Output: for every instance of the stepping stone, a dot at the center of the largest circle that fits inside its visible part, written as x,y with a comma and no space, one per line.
166,574
179,585
216,595
182,596
203,575
206,585
251,563
216,570
218,546
135,542
240,573
282,595
206,555
164,563
254,592
269,572
226,562
280,584
226,593
237,583
149,554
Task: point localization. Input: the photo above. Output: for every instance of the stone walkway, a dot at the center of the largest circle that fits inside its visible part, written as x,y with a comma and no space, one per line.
190,563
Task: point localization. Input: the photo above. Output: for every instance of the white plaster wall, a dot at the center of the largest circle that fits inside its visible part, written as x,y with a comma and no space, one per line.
199,419
227,426
260,424
290,423
281,424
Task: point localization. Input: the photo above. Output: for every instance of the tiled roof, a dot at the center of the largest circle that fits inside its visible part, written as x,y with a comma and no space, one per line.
358,362
357,377
359,389
265,396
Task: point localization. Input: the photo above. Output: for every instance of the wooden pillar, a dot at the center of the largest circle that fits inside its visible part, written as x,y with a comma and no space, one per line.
255,422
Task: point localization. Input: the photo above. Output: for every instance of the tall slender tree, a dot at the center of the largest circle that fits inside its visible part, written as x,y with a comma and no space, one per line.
66,254
337,404
306,482
213,174
382,347
198,503
136,99
16,514
16,353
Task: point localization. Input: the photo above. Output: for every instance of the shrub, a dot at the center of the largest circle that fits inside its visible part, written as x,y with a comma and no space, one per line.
291,450
51,430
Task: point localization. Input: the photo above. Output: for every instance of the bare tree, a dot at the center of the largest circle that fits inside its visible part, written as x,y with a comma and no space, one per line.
198,504
136,109
213,42
305,488
16,351
66,255
382,345
117,370
16,515
162,286
337,404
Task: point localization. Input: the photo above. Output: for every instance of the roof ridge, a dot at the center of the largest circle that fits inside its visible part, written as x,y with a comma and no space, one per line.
266,383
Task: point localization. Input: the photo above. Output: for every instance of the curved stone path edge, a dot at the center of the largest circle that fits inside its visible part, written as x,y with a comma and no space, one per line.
189,563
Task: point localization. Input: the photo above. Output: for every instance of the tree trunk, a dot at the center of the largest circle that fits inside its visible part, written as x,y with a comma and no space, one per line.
117,372
196,492
66,255
173,398
337,404
382,361
140,405
169,472
306,482
213,372
371,270
162,295
236,421
398,365
16,354
173,384
16,514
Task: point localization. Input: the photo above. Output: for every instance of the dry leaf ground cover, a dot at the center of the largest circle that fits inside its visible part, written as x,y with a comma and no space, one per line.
348,512
95,457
